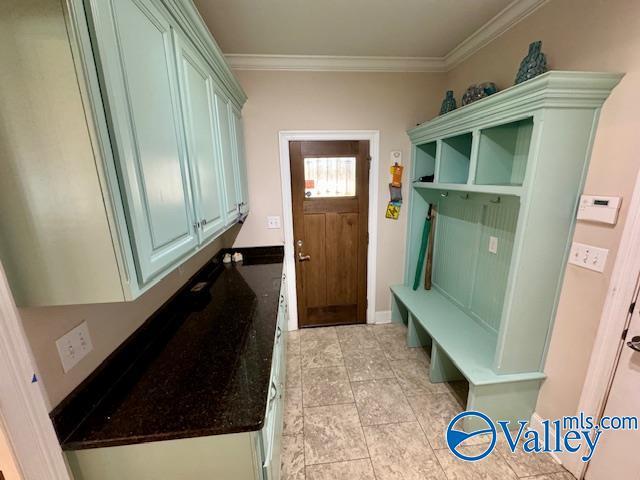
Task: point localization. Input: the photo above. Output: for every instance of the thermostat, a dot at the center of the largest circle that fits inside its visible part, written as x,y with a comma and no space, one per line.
599,209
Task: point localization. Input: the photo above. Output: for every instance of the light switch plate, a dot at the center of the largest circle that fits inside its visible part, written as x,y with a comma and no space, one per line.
588,256
74,346
273,222
396,157
493,244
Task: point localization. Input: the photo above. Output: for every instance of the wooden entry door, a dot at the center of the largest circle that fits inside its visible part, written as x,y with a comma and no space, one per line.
330,193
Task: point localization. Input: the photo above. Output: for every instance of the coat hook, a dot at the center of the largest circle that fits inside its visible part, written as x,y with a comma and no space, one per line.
497,200
444,195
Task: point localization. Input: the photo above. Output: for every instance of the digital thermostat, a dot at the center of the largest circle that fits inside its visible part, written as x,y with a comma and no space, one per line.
599,209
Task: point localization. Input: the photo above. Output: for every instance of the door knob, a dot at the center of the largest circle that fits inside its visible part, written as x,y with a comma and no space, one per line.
634,344
303,258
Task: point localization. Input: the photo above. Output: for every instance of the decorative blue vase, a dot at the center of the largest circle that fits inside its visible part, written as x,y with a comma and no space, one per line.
449,103
534,64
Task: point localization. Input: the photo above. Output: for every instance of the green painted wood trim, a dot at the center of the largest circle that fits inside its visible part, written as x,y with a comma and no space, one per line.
505,401
455,187
557,89
442,369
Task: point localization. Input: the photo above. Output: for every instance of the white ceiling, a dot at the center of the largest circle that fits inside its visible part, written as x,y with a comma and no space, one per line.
398,28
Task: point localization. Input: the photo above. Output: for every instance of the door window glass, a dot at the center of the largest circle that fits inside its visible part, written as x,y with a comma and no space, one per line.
329,177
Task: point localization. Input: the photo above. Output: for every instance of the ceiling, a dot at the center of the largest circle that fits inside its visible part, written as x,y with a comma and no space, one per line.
394,28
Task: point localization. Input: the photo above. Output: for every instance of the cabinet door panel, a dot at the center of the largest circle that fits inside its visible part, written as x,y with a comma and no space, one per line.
139,85
197,95
228,160
240,160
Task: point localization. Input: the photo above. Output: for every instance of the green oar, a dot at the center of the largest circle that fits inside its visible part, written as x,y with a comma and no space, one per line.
423,249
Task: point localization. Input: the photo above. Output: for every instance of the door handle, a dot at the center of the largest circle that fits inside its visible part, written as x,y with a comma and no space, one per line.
634,344
303,258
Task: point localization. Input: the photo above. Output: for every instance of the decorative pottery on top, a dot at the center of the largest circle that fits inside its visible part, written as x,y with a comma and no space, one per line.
449,103
534,64
476,92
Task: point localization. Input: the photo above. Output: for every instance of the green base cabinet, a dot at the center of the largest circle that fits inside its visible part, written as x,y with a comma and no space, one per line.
509,171
143,146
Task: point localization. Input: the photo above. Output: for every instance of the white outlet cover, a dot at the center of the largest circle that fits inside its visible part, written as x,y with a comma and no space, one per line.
493,244
273,221
588,256
74,346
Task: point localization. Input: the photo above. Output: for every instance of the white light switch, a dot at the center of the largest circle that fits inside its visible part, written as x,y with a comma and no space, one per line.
74,346
588,256
493,244
273,222
396,157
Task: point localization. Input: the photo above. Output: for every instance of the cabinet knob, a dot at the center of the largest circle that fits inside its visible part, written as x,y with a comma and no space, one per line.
196,225
204,221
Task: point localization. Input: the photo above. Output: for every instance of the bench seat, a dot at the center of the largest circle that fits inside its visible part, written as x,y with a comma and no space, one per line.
462,347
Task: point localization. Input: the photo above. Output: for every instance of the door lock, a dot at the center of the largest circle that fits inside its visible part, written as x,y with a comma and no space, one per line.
303,258
634,344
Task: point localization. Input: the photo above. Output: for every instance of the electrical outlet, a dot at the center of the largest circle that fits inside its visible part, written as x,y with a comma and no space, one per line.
74,346
588,256
493,245
273,222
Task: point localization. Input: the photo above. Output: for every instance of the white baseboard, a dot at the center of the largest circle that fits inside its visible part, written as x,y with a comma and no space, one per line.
536,424
382,317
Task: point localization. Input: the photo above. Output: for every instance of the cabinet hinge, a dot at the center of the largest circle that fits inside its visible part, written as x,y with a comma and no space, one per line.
369,162
624,334
632,307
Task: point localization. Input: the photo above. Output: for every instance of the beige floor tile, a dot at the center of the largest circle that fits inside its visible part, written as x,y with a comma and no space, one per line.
434,412
320,351
381,401
492,467
292,458
528,464
327,333
293,342
552,476
401,452
333,434
325,386
356,338
293,422
387,329
352,470
413,377
294,371
367,365
395,348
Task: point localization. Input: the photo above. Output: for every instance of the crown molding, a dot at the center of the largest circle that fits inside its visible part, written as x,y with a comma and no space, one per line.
513,13
329,63
508,17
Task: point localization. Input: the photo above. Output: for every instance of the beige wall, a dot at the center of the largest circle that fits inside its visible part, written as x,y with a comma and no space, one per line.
109,325
605,36
388,102
8,464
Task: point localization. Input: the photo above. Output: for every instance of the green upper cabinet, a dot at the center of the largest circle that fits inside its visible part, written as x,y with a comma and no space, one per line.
140,82
240,160
229,164
202,141
136,127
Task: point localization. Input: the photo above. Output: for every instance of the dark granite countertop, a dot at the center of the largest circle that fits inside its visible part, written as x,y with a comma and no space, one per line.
202,364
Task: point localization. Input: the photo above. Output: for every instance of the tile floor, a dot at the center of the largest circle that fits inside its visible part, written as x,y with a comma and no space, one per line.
359,406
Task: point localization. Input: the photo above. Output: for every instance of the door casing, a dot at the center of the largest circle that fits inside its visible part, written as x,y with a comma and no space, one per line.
373,136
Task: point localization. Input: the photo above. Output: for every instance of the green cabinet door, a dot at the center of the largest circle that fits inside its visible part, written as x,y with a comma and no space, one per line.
197,107
229,164
240,159
139,86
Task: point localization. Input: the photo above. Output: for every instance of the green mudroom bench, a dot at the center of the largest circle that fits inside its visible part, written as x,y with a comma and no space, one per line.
508,173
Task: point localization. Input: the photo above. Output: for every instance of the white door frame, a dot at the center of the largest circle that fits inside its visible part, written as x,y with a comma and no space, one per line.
22,405
614,319
373,136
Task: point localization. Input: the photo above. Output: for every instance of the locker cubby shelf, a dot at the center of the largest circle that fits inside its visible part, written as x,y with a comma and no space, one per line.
508,172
